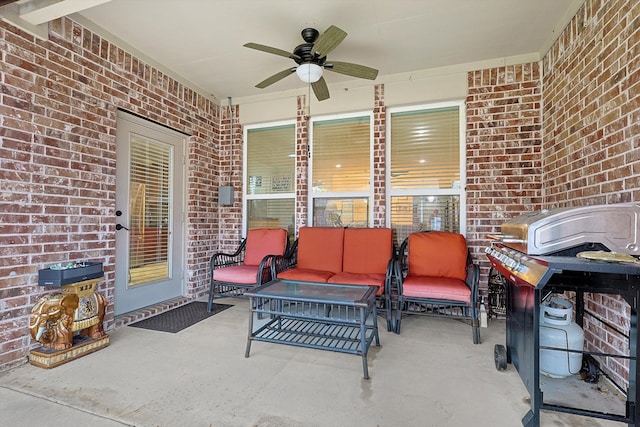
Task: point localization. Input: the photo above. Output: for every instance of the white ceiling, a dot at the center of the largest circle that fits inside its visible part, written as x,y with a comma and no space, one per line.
201,40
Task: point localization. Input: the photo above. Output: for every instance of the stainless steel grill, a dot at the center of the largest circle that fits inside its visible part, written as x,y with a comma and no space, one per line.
536,254
545,232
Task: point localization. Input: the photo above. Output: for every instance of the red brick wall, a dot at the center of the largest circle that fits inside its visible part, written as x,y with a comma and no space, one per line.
591,125
379,158
230,173
561,133
302,163
592,107
504,151
58,104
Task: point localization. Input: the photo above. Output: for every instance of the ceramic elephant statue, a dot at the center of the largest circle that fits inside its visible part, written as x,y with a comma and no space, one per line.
90,316
51,321
56,317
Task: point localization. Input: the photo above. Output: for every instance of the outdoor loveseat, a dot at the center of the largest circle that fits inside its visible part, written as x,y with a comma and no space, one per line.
355,256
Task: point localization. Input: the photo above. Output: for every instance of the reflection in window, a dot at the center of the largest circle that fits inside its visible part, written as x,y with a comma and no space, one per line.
271,213
341,212
424,213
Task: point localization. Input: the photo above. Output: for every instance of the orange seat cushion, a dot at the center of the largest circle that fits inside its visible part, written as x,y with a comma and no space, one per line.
367,250
320,248
371,279
438,254
305,275
245,274
262,242
442,288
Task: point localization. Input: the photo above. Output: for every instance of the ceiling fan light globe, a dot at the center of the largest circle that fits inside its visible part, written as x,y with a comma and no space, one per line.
309,73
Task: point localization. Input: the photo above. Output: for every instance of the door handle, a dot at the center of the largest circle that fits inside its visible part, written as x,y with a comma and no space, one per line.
120,227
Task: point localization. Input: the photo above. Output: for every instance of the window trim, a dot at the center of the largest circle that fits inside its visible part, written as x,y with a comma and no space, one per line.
341,194
460,192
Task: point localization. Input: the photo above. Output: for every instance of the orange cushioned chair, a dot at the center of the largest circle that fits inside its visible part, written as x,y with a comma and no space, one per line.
249,266
436,276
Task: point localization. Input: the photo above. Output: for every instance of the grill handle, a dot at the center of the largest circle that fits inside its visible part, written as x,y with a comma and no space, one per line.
505,239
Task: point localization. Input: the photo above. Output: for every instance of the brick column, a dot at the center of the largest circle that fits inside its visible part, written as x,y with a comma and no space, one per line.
379,158
302,163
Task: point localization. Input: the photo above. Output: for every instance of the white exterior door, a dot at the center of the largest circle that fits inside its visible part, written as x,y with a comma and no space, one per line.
150,213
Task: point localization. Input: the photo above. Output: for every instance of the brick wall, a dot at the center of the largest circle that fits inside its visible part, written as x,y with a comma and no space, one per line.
379,158
591,125
230,173
561,133
302,163
504,151
58,104
592,107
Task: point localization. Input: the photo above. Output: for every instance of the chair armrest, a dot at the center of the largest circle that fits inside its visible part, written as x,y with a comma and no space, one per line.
388,280
401,264
280,263
473,281
222,259
265,274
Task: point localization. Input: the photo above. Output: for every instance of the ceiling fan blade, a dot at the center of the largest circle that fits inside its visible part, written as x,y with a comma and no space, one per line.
276,77
354,70
320,89
328,41
273,50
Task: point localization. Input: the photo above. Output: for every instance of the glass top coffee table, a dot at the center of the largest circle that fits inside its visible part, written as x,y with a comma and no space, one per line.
322,316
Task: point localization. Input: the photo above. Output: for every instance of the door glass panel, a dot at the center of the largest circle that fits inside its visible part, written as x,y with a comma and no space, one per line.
149,210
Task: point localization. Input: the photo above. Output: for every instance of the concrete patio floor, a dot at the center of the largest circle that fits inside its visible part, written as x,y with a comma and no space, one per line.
431,375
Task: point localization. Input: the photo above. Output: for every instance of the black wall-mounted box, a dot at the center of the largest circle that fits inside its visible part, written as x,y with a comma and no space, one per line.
57,278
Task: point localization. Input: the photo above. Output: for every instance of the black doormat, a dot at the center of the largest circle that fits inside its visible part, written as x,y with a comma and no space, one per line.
180,318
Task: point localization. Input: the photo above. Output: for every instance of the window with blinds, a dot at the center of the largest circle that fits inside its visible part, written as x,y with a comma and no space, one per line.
341,155
425,148
425,167
149,210
270,177
341,172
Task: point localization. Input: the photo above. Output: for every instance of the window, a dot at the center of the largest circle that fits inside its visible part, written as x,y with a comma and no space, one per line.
340,172
425,169
270,177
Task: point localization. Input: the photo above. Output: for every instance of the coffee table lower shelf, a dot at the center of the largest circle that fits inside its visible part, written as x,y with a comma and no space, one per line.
318,334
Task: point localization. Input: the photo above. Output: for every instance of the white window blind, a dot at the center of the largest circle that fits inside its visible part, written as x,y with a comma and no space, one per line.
341,172
341,155
425,150
271,160
270,177
149,208
425,169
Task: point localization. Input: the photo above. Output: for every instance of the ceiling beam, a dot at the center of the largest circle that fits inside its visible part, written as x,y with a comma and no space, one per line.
38,12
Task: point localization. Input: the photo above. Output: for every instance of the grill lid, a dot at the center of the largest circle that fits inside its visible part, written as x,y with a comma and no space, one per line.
545,232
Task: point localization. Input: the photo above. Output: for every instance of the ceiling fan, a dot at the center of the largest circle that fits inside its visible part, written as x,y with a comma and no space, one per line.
311,57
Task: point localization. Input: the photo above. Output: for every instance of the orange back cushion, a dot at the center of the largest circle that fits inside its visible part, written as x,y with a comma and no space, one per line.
367,250
320,248
438,254
262,242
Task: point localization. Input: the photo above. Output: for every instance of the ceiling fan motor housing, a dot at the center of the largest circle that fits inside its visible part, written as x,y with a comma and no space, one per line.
304,52
309,35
